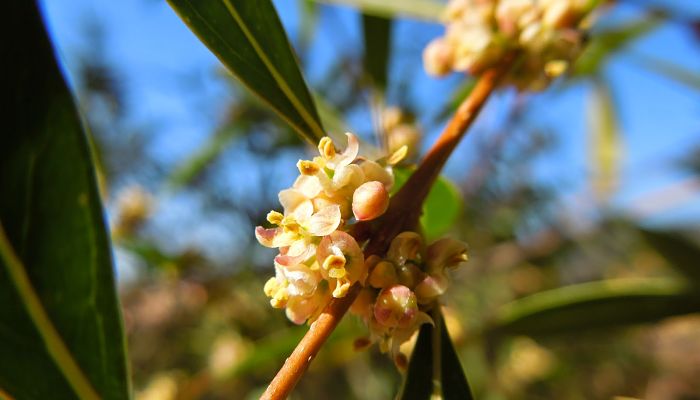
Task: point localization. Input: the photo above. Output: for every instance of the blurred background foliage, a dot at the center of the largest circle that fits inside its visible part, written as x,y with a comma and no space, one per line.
585,248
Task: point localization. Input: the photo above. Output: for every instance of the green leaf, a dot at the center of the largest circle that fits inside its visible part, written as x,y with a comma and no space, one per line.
248,38
455,99
377,40
423,372
669,70
605,139
332,119
595,305
441,208
420,9
195,165
605,44
60,324
681,253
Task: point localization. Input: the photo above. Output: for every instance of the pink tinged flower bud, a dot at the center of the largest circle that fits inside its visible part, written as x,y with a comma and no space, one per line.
405,246
383,275
437,57
446,253
396,307
369,201
431,287
409,274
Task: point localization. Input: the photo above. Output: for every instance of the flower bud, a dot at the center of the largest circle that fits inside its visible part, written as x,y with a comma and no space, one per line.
446,253
437,57
383,275
405,246
369,201
431,287
409,274
391,118
404,135
396,307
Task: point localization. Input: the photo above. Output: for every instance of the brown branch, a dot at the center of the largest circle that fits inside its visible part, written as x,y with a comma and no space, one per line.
402,215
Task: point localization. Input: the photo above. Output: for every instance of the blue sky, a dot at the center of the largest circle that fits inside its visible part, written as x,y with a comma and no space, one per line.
172,85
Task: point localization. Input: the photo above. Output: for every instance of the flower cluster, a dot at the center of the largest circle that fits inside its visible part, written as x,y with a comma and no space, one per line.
480,32
404,285
317,259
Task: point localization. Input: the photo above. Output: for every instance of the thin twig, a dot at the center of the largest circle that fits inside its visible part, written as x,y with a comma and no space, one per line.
403,214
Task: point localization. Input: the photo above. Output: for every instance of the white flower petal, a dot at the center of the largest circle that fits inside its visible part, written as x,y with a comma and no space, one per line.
347,156
325,221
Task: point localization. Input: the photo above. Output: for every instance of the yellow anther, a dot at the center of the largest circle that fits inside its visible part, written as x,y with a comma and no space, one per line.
326,148
334,262
398,155
337,273
275,217
307,167
290,224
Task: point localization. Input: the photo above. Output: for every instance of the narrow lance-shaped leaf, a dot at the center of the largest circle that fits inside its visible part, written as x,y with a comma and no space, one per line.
377,40
248,38
606,43
605,140
595,305
60,324
669,70
425,372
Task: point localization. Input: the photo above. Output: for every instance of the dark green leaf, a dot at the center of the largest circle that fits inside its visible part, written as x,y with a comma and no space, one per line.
418,384
377,39
248,38
606,43
421,9
60,324
441,208
681,253
595,305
